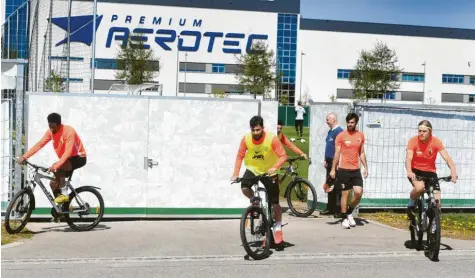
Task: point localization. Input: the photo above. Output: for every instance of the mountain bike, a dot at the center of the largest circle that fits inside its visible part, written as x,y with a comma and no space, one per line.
259,217
427,218
23,203
298,190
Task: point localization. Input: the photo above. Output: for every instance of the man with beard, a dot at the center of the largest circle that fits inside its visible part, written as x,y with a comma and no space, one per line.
262,153
349,149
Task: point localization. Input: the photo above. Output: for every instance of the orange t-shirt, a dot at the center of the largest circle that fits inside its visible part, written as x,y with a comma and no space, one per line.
424,154
350,144
66,143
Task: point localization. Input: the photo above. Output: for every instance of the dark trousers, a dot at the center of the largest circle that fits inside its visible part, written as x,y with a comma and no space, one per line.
334,196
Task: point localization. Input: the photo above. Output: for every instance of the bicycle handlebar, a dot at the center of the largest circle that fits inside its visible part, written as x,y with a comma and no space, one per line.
447,178
256,178
37,167
293,159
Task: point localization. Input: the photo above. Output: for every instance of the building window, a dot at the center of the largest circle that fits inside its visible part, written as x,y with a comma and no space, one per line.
471,98
219,68
113,64
472,80
452,78
287,55
413,77
73,80
390,95
343,74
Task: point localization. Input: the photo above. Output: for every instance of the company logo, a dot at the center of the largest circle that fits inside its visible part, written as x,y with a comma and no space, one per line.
258,156
80,28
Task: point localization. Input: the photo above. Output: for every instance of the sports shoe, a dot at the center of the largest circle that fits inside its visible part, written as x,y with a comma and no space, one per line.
345,224
61,199
351,220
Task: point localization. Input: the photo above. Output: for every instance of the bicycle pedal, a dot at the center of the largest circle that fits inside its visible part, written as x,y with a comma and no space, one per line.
282,225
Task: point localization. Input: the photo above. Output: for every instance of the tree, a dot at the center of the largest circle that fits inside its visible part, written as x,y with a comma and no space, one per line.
376,73
135,63
218,94
257,70
54,83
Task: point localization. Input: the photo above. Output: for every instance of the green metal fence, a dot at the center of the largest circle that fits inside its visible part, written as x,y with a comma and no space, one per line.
287,115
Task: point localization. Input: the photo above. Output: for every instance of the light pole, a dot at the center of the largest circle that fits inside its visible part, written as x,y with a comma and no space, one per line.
301,73
424,84
177,63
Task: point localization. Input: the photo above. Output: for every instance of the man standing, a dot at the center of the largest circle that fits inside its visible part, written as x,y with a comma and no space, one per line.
299,113
350,145
332,206
262,153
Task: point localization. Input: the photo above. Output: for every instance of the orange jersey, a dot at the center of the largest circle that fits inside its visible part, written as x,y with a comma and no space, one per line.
276,147
286,142
66,143
424,155
350,150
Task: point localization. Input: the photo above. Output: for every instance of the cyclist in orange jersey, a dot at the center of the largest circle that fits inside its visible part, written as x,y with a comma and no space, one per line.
69,149
262,153
421,153
349,150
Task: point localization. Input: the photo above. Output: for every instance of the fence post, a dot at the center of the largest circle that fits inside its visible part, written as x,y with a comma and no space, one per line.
19,123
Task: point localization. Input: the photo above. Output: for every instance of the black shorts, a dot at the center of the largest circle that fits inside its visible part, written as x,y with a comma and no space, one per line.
76,163
298,122
346,179
425,174
271,185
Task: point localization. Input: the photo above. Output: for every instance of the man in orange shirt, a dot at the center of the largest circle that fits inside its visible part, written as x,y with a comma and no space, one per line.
350,145
286,142
421,154
69,149
262,153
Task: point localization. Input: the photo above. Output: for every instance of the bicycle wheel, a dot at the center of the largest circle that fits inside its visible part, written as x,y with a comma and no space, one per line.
21,207
433,234
82,208
302,198
254,220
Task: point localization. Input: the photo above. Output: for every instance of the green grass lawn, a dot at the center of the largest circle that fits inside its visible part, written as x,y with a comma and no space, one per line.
302,165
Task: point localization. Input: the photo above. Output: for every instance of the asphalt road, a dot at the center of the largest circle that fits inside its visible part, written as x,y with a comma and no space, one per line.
315,247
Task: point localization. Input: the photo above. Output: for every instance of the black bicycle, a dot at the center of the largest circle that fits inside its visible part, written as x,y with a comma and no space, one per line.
427,218
300,193
23,203
259,218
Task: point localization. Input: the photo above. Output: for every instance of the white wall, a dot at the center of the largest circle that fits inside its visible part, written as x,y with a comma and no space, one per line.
326,52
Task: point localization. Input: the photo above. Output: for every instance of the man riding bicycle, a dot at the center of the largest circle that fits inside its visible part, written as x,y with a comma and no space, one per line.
69,149
262,153
286,142
421,154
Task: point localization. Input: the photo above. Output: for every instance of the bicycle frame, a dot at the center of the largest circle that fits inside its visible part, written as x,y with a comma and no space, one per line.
37,180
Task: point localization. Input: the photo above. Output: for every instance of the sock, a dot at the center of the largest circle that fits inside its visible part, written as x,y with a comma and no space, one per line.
350,210
64,191
412,203
278,226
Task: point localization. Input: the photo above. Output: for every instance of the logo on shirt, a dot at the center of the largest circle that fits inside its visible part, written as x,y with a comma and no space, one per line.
430,151
258,156
347,142
419,153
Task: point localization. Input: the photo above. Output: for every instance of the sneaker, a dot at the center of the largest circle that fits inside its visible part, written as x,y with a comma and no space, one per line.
345,224
278,238
61,199
351,220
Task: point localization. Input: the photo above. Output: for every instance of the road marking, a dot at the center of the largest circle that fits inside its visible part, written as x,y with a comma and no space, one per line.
290,256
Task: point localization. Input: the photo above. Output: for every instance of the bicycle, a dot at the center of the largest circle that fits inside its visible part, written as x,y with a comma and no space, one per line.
297,185
262,212
427,218
26,199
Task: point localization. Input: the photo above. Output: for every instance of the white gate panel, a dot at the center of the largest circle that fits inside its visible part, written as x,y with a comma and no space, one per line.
114,132
195,142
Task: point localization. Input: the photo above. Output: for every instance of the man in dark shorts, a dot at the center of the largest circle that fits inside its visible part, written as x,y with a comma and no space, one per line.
69,149
262,153
421,154
349,149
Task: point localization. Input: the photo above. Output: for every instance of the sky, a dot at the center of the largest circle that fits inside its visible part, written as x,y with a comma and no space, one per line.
439,13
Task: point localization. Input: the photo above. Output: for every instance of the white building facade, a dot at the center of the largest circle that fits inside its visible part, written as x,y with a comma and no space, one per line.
197,42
